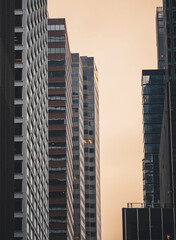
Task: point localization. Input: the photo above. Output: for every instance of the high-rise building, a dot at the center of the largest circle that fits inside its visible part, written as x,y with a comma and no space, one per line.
6,119
91,149
168,137
60,132
31,120
153,89
160,37
78,148
158,166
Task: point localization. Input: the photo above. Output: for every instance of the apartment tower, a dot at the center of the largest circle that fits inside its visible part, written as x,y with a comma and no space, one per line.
6,119
78,148
60,132
31,121
91,149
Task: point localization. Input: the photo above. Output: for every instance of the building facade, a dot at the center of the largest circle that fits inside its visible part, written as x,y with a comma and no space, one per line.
91,149
6,119
78,148
160,37
153,89
169,10
31,121
168,138
148,223
60,132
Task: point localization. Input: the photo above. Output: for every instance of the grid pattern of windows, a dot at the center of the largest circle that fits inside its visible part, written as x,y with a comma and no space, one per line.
78,148
31,121
60,133
153,89
91,149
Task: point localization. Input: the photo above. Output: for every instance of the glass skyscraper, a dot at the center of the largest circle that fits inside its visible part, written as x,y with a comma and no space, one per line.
31,120
153,89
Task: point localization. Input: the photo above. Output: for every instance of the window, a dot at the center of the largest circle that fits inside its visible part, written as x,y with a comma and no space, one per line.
18,224
18,74
18,185
57,194
18,129
57,182
18,166
18,20
18,4
57,133
18,38
18,92
18,56
91,150
56,62
56,109
18,147
18,205
56,121
56,38
56,74
56,50
57,97
56,27
56,85
18,110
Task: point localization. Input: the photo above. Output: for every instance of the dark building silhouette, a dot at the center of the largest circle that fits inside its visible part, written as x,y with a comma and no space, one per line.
6,119
148,223
60,132
153,89
168,137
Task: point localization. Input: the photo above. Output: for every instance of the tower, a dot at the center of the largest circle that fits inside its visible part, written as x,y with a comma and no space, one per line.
91,149
60,132
31,120
78,148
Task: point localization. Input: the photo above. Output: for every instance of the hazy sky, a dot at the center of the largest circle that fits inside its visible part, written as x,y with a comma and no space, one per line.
121,35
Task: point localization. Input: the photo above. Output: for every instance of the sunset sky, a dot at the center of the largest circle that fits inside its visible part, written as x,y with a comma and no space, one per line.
121,35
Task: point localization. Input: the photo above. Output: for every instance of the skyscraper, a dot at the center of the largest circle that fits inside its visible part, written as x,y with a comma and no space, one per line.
91,149
31,120
159,134
78,148
60,132
6,119
168,137
153,89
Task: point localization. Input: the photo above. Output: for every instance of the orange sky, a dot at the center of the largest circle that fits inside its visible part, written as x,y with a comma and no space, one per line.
121,35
